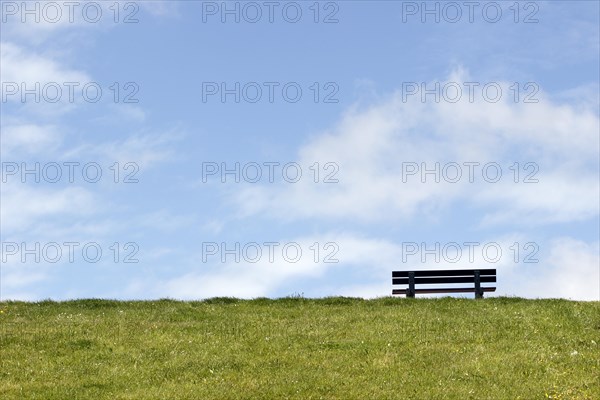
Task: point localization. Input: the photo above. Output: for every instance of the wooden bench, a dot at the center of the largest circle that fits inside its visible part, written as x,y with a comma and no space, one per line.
444,276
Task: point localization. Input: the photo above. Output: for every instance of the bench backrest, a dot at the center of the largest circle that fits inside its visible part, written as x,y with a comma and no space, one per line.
444,276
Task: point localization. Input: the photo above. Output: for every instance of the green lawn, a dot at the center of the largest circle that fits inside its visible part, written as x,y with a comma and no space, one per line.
333,348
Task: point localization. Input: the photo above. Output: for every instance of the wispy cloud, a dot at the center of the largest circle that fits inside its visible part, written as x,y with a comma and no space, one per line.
20,64
372,147
23,206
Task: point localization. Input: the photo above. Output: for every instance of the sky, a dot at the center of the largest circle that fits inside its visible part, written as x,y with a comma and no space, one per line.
193,149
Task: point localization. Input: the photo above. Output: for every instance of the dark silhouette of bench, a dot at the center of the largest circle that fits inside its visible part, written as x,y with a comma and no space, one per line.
444,276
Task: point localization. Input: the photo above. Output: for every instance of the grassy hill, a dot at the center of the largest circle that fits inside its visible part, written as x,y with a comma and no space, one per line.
333,348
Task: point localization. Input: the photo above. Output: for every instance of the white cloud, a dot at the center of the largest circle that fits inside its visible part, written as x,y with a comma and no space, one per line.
21,65
47,22
363,270
560,196
20,276
38,83
247,279
570,270
370,147
26,139
37,32
145,150
23,206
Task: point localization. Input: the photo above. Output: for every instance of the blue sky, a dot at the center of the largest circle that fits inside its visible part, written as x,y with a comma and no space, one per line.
362,120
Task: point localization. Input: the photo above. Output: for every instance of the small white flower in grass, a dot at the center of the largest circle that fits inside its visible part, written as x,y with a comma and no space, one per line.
574,353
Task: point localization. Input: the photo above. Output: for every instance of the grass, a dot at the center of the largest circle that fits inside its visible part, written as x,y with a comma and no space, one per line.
296,348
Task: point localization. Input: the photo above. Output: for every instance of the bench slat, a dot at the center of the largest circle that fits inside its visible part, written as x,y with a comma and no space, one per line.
444,290
445,272
441,279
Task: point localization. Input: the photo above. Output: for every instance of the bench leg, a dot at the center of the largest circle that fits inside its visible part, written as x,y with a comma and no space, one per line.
411,285
478,291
